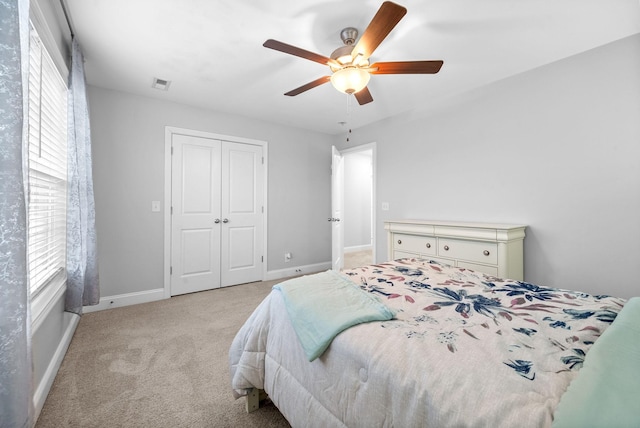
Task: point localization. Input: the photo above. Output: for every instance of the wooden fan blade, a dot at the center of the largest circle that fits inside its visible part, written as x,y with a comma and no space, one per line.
292,50
380,26
363,96
406,67
310,85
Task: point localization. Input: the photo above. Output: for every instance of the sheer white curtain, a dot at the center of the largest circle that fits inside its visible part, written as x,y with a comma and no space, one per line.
82,264
16,372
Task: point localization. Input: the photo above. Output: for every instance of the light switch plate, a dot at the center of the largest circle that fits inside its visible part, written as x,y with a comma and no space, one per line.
155,206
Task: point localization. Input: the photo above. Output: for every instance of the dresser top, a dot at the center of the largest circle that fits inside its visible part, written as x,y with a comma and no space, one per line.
475,225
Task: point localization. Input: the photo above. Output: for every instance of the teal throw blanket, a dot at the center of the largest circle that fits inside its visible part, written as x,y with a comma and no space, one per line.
606,392
321,306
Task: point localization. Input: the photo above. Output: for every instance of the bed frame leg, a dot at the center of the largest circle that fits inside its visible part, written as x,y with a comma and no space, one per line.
253,399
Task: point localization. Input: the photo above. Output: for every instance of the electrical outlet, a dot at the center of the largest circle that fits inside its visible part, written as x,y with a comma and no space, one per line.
287,257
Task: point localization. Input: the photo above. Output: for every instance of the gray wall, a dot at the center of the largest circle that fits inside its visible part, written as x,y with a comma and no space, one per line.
128,137
556,148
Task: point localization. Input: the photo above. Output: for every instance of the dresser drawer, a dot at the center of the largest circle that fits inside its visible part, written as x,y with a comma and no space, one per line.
424,245
397,254
449,262
473,251
489,270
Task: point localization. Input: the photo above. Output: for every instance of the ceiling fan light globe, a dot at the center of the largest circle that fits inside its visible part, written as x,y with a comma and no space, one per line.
350,79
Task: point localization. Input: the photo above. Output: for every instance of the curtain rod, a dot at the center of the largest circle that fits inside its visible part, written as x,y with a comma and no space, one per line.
67,17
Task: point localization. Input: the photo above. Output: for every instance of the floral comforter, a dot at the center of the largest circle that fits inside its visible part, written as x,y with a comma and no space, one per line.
458,308
465,349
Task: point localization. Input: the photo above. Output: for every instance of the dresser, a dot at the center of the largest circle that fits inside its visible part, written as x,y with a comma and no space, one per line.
492,248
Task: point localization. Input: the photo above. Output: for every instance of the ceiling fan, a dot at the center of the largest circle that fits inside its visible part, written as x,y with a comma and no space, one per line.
349,64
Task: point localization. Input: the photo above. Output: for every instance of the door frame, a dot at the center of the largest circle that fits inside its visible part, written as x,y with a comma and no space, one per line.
374,173
337,207
169,132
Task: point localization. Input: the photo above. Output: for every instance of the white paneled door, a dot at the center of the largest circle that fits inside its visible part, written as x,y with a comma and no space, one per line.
217,209
242,206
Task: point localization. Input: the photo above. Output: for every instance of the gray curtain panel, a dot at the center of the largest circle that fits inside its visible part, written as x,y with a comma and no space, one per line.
82,264
16,372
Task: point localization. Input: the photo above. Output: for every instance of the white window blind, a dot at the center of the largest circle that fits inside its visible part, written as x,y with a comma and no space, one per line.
47,160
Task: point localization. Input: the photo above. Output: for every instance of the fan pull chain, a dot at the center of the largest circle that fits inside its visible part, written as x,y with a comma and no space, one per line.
349,114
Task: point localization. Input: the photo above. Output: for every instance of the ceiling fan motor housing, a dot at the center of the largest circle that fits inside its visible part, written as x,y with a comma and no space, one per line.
342,55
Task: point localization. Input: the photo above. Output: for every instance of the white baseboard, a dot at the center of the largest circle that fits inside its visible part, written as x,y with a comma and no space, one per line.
128,299
43,388
297,270
358,248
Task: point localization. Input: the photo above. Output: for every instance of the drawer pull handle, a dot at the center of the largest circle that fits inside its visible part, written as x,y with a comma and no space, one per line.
486,252
399,241
446,248
428,245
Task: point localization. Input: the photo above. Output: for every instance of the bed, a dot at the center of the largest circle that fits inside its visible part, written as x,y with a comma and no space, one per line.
461,348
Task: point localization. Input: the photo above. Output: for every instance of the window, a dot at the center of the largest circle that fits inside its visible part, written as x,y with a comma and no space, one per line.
47,169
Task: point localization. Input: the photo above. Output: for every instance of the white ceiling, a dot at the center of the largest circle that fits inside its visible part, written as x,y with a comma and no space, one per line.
211,50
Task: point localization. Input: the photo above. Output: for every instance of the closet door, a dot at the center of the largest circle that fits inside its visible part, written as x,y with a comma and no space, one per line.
217,201
196,170
242,211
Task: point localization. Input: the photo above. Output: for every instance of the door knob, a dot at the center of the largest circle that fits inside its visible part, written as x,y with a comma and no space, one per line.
216,221
226,220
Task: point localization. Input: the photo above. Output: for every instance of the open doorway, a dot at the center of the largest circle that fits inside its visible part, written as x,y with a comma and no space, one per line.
358,215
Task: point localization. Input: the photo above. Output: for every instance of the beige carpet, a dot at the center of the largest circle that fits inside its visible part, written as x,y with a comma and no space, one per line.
358,258
160,364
